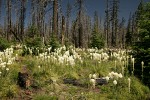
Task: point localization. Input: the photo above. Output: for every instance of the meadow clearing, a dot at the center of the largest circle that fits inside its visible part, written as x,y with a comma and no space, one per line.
69,73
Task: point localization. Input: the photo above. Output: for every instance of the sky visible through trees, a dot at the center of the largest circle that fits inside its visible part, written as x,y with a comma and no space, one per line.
74,22
126,6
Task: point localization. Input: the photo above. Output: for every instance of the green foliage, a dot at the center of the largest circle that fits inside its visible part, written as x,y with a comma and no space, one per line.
142,47
67,43
32,32
140,91
96,40
34,42
54,43
128,38
4,44
45,97
11,91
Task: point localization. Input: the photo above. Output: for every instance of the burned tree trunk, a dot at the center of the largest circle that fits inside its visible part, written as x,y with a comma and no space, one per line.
114,19
55,16
8,18
107,25
80,24
68,19
23,80
22,19
63,31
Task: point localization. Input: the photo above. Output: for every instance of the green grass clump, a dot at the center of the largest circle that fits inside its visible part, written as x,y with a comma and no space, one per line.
44,97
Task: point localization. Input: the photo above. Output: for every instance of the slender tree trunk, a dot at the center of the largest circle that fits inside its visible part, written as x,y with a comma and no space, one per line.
107,26
8,18
33,12
63,31
114,15
68,19
22,19
80,24
55,17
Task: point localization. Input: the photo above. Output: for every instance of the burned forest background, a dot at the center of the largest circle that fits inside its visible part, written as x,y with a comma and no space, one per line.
47,24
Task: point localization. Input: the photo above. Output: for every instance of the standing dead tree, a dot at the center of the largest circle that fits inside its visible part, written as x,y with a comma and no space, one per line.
63,31
8,9
68,14
55,17
79,4
22,18
107,26
114,22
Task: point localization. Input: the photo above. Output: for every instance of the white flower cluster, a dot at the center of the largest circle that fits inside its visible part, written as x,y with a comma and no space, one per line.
100,57
93,79
116,53
93,76
93,50
61,56
105,54
69,56
115,76
6,59
119,55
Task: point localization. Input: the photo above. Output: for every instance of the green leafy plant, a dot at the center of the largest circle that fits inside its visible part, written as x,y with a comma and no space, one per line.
4,44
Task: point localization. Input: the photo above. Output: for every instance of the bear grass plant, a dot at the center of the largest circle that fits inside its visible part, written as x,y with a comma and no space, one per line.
8,87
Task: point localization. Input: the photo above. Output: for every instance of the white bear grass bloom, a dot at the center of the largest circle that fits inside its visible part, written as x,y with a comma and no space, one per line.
120,75
93,82
115,82
115,75
142,63
39,67
129,84
107,78
90,76
7,69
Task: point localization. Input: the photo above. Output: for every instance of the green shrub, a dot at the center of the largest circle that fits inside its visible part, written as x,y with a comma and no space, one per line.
32,31
54,43
96,40
33,39
34,42
4,44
